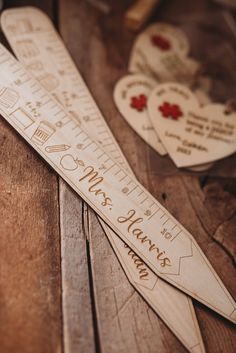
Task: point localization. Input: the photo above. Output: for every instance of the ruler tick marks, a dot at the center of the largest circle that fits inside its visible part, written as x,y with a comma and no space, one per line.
16,70
67,122
101,155
75,127
113,151
96,148
118,172
108,159
140,193
108,169
36,90
59,112
130,192
123,177
176,235
153,214
143,201
165,222
79,133
108,144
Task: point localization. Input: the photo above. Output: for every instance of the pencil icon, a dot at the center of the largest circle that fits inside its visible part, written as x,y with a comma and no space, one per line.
57,148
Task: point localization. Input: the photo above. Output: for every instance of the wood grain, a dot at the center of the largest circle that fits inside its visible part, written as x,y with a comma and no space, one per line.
30,262
30,254
78,332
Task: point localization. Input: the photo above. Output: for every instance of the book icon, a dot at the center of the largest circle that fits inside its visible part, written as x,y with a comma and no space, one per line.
43,132
8,97
49,82
24,118
27,48
21,26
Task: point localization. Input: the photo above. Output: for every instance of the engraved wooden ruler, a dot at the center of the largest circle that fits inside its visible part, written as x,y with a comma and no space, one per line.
164,298
163,244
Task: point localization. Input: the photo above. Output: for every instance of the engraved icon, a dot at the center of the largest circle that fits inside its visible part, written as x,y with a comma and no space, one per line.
86,118
102,167
68,162
24,26
23,117
8,97
26,48
35,66
75,116
49,82
57,148
59,123
43,132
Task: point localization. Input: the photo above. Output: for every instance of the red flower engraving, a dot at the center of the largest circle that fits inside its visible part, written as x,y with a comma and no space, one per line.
139,102
161,42
172,111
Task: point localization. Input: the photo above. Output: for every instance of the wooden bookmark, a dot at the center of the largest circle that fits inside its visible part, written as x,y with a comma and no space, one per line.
123,203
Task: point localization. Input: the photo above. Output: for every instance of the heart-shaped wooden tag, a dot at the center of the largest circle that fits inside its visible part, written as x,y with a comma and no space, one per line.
161,52
191,134
130,95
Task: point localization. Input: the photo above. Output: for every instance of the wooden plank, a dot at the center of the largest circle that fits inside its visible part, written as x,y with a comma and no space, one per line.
30,254
78,330
100,46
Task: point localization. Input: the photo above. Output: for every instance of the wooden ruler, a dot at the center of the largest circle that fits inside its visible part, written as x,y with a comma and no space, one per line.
162,243
163,298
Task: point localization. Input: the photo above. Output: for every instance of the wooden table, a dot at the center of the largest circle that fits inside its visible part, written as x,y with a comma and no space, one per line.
90,305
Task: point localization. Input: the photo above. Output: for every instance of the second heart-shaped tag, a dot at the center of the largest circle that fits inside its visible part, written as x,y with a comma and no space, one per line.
192,135
161,52
131,95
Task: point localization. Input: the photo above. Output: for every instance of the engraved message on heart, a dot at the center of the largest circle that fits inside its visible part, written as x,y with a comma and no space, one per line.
191,134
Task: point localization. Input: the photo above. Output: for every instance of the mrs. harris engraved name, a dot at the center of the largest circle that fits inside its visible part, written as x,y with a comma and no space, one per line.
131,220
89,175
